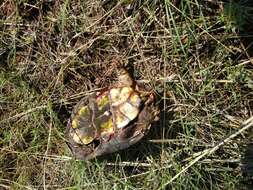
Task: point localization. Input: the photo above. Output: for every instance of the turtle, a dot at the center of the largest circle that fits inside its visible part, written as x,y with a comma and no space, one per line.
111,119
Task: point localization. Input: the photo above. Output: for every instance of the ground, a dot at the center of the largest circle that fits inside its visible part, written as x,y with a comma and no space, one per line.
195,55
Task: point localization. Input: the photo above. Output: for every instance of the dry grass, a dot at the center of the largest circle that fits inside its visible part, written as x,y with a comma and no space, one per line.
197,56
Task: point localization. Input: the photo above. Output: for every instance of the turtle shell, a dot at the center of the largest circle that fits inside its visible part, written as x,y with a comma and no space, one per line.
110,120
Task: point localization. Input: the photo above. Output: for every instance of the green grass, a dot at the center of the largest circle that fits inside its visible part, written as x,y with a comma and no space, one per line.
197,56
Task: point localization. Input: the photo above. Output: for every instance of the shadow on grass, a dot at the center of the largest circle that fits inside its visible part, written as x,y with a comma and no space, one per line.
240,14
247,167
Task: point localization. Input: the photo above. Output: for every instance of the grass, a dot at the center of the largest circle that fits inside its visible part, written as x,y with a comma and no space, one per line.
197,56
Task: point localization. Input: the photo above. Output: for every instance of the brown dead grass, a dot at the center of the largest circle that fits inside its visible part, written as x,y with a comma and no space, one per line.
195,56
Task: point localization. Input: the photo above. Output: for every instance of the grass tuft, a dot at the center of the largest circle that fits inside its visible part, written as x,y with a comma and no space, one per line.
197,56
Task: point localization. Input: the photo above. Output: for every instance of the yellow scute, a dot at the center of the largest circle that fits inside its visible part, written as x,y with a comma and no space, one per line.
76,138
115,95
107,127
120,95
74,123
102,102
87,139
121,120
125,92
129,110
83,111
135,99
80,139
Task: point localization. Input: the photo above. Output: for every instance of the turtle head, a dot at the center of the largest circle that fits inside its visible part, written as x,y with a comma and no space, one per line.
124,78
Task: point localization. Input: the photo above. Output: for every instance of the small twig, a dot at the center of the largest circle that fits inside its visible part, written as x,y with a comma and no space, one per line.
220,161
79,95
30,5
46,152
246,62
131,164
222,169
163,79
17,24
5,186
52,157
166,140
178,142
24,113
20,185
172,79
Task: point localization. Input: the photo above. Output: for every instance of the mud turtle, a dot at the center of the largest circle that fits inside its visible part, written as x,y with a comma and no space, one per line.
111,119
